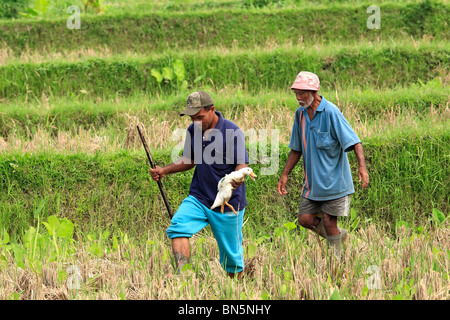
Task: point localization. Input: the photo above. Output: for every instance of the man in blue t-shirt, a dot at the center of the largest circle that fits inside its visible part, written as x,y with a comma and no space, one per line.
215,147
323,136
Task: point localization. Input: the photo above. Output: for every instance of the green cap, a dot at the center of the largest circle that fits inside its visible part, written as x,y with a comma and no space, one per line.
196,101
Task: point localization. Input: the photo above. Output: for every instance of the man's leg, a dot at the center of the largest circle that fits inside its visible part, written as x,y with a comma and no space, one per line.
335,235
330,224
308,220
227,229
181,251
307,215
189,219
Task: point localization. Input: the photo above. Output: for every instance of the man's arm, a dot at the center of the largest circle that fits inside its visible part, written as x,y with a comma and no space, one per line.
236,184
293,158
362,169
182,164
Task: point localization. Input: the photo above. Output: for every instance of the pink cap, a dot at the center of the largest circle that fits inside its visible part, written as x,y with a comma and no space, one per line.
306,81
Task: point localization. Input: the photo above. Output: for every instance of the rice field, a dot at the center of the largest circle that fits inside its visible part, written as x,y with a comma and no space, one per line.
80,217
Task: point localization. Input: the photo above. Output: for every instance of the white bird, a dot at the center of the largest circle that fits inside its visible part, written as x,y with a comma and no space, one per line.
225,188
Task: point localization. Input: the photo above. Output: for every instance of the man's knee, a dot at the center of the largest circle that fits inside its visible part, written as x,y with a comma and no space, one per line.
306,220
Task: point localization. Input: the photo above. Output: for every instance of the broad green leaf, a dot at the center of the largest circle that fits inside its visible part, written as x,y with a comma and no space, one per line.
265,295
287,276
186,267
283,289
105,235
355,224
96,250
53,222
32,12
18,254
5,237
335,295
439,215
157,75
52,225
184,85
29,236
178,68
352,214
365,291
62,276
65,229
41,6
49,228
251,251
115,242
290,225
167,73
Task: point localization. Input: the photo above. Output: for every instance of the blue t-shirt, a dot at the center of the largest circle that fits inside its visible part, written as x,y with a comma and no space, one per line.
216,156
324,141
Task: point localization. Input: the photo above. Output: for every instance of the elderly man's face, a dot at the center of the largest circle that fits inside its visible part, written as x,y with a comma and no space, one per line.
304,98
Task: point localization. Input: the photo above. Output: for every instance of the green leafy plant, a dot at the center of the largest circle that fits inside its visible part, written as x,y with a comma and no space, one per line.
335,295
39,8
290,225
438,217
404,290
59,229
11,8
171,75
354,220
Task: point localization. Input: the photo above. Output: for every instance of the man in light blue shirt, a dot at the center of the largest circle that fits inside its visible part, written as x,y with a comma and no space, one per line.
323,136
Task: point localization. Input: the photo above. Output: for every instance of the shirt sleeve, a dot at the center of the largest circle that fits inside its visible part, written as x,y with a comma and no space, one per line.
295,142
343,132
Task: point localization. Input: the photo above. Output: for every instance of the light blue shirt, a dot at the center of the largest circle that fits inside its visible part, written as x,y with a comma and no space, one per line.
324,142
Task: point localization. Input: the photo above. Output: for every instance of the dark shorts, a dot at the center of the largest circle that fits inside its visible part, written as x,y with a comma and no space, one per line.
337,207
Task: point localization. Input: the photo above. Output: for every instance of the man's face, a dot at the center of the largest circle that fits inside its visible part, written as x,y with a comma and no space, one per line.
304,98
203,118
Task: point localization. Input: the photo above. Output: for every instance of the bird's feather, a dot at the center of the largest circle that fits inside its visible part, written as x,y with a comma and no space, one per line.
225,188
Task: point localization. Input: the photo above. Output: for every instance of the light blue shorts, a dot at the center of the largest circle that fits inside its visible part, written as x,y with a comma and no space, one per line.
192,216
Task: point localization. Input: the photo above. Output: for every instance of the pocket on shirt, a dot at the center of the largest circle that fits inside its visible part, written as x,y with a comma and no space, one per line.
325,141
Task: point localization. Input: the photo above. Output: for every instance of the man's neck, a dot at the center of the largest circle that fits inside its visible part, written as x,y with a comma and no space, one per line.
213,125
316,102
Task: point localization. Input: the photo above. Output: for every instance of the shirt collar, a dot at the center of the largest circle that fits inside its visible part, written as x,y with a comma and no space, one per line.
219,124
322,104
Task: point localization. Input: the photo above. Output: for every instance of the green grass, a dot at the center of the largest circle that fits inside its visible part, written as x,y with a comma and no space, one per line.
409,176
156,32
286,264
71,113
58,8
383,67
